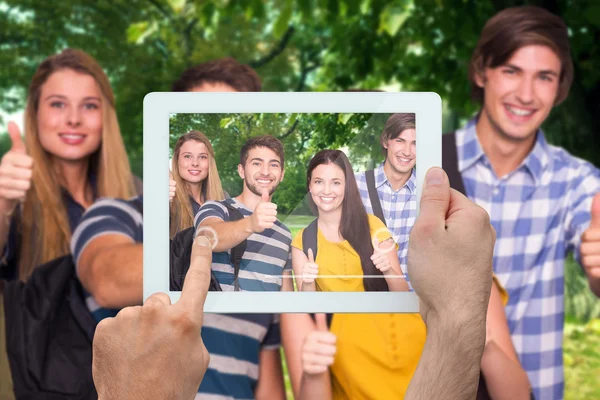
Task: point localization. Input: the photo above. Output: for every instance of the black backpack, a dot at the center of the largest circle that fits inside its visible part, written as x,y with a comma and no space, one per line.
49,332
181,251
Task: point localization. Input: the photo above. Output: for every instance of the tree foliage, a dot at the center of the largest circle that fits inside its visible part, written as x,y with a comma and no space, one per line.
318,45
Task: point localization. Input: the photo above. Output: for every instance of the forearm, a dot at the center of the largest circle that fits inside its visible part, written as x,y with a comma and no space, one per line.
396,282
315,387
504,378
230,234
116,276
309,287
450,364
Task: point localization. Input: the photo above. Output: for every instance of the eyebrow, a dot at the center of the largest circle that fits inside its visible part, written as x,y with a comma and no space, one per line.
62,97
262,160
189,152
542,72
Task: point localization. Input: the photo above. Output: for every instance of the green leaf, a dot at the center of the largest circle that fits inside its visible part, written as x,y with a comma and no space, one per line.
137,32
226,122
176,5
283,21
344,118
392,18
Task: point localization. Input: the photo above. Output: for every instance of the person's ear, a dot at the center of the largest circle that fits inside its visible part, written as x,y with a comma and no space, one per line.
241,171
480,78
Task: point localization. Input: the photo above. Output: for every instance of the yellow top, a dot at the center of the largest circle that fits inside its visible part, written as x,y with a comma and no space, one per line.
377,354
340,261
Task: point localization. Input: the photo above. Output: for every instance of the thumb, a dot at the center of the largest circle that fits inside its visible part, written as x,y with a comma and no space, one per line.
321,321
170,176
311,258
265,195
18,146
595,222
435,198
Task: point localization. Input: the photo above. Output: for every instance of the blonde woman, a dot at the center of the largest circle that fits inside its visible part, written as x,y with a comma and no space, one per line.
195,179
73,153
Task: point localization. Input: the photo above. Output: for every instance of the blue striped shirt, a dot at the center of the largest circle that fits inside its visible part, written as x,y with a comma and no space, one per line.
267,254
234,341
539,211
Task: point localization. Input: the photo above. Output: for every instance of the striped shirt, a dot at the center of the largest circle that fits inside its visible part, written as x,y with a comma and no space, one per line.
399,207
267,254
234,341
539,211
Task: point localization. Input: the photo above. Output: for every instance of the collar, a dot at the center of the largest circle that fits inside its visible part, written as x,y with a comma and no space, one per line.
381,178
472,152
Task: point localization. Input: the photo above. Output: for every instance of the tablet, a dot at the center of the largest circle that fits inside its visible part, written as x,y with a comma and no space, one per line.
306,123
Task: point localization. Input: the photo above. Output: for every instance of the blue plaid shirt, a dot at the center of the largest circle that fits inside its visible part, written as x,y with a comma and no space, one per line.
539,211
399,207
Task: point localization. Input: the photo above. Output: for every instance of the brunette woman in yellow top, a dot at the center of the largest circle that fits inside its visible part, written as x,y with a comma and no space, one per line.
349,259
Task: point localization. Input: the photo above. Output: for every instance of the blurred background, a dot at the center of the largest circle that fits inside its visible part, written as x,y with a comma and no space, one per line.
312,45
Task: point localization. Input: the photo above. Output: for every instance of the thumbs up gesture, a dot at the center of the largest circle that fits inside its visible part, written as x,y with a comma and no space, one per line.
172,187
319,348
265,214
380,258
16,169
310,270
590,243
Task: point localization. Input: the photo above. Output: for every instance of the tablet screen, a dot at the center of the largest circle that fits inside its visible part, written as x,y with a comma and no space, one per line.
294,201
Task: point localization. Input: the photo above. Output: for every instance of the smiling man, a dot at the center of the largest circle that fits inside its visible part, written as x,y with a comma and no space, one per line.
539,197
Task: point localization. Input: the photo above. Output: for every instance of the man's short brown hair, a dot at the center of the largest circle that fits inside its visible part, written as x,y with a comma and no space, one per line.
516,27
268,141
394,126
226,70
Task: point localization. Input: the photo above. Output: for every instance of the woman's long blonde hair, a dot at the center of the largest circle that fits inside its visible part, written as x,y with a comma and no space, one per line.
182,216
45,228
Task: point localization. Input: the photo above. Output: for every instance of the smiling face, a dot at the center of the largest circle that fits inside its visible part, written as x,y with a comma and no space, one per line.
327,186
402,151
519,94
262,170
69,117
192,162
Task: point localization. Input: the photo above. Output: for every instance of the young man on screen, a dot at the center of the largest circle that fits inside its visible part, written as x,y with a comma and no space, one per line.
543,202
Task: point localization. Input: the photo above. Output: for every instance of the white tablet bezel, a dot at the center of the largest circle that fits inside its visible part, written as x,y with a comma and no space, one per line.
157,109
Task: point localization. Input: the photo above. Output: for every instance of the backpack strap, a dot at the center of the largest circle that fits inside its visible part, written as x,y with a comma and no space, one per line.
373,196
450,162
329,318
309,241
238,251
309,238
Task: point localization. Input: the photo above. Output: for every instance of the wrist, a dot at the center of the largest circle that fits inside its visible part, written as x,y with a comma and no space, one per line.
248,226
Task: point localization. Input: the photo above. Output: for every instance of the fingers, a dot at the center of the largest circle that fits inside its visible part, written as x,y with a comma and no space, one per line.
321,322
319,349
311,258
197,279
18,160
595,222
434,200
310,271
18,146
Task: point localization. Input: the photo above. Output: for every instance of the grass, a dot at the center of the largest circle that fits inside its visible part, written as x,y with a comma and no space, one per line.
582,359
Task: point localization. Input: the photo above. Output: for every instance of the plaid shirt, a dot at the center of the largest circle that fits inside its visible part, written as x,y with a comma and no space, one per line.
399,207
539,212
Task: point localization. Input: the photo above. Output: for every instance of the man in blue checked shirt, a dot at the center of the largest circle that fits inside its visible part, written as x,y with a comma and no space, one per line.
395,180
541,199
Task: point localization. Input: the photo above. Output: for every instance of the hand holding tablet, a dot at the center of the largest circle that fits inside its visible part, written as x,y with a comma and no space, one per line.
144,349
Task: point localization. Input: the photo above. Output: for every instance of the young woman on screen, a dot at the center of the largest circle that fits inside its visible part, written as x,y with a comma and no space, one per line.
347,259
72,154
195,179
